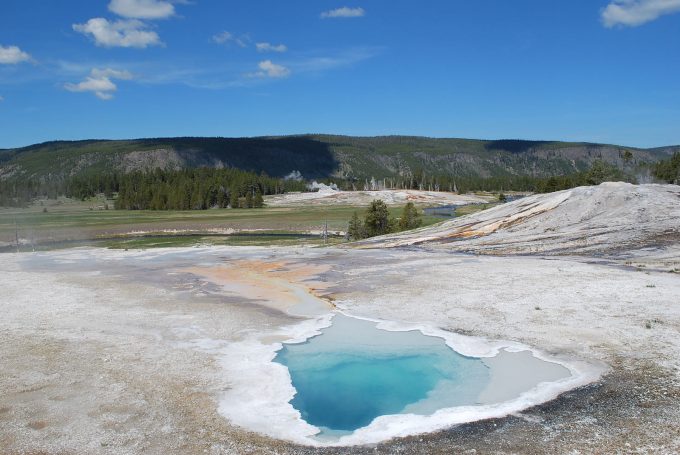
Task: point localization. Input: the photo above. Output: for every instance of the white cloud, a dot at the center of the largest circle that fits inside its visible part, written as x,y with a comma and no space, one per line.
227,37
12,54
222,37
142,9
99,82
271,69
343,12
268,47
637,12
2,98
111,74
121,33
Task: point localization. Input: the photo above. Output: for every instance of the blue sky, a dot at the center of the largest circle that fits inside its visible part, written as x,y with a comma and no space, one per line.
591,70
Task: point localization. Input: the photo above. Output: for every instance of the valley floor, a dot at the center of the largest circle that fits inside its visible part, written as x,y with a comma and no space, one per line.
112,351
50,224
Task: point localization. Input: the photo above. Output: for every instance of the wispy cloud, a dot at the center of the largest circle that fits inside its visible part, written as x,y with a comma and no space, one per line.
344,12
228,37
110,73
271,69
11,55
342,59
268,47
245,41
228,74
633,13
120,33
99,82
142,9
2,99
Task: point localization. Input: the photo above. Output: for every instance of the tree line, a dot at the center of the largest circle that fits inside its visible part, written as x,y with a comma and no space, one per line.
378,221
600,171
202,188
187,189
198,189
668,170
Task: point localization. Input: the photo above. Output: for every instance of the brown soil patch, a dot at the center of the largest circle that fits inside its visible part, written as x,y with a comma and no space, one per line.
37,424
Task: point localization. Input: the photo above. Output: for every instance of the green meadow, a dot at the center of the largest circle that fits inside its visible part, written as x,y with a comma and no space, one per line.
66,222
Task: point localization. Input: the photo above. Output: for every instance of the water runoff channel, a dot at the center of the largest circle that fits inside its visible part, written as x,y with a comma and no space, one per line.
358,381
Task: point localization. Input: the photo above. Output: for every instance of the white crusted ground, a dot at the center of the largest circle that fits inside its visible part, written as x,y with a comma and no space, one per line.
363,198
95,351
611,217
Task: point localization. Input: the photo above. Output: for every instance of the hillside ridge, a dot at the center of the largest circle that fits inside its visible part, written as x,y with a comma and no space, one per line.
324,156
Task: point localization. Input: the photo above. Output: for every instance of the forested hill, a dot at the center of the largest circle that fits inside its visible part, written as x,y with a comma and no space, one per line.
322,156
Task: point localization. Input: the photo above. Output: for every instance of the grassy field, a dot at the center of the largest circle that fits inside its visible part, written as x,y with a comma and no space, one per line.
265,239
473,208
67,222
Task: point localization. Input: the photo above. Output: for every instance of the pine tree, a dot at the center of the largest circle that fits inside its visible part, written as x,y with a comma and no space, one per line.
355,229
221,199
258,200
377,221
669,170
233,198
410,218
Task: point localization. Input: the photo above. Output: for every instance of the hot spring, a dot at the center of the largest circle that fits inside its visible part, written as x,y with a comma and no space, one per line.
354,372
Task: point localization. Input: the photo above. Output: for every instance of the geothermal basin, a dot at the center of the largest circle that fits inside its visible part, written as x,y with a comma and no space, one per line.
209,338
